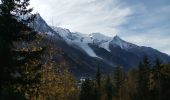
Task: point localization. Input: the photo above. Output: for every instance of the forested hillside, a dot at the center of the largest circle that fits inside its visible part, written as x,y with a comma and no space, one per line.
28,70
144,83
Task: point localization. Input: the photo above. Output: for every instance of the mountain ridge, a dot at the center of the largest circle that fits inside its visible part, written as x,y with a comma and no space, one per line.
85,53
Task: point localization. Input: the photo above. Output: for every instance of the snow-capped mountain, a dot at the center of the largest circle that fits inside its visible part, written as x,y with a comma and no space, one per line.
117,41
85,53
41,26
83,40
79,39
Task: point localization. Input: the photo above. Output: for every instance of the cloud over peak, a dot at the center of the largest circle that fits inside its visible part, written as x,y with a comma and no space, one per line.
144,22
84,16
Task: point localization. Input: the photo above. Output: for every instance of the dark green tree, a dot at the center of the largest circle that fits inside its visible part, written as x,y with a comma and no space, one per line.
97,87
13,29
7,35
131,84
98,77
164,80
109,89
87,91
119,78
143,80
155,80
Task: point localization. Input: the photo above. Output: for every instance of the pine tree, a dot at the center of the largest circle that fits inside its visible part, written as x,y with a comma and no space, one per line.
86,92
6,36
97,93
164,82
98,77
131,84
143,80
160,80
109,89
28,67
155,80
119,78
14,29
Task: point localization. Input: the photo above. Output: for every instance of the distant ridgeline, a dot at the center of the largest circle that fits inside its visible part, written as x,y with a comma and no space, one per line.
85,53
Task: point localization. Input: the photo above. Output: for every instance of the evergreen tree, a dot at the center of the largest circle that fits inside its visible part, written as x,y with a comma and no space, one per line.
97,93
29,68
143,80
98,77
164,88
109,89
119,78
131,84
155,80
86,92
6,35
13,29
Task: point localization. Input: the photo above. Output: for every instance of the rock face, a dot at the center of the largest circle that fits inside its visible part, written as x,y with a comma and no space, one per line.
85,53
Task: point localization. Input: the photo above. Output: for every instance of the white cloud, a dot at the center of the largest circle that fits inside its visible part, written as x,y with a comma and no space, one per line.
137,23
158,42
149,27
84,16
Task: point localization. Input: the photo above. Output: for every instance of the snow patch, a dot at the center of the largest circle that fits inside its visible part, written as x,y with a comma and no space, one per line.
121,43
76,39
82,40
105,46
87,49
101,40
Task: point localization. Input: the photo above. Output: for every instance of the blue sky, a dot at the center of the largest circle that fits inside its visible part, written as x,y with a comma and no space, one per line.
143,22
